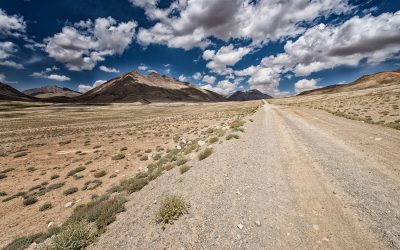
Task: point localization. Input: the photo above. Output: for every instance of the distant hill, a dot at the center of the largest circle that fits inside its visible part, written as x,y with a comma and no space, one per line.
252,94
133,87
51,91
364,82
8,93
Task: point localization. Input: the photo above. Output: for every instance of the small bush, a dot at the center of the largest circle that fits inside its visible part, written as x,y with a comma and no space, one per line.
61,143
45,206
7,170
123,149
118,157
3,176
137,184
100,174
232,136
76,170
96,184
183,169
213,140
54,176
2,193
29,200
171,208
181,161
144,158
76,235
148,151
55,186
206,153
71,190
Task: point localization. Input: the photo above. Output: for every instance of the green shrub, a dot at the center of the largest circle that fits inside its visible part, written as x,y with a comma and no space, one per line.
55,186
171,208
96,183
76,235
54,176
123,149
2,193
100,174
181,161
3,176
144,158
118,157
46,206
213,140
7,170
183,169
206,153
61,143
71,190
29,200
76,170
231,136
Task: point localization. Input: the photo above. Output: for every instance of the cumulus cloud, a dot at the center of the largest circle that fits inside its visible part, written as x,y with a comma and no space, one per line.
223,87
3,79
190,23
225,56
373,38
108,70
143,67
45,75
197,76
182,78
304,85
83,45
209,79
7,50
85,88
11,25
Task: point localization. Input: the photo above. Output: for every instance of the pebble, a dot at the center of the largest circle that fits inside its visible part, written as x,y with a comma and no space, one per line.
50,224
178,147
240,226
69,204
378,139
201,143
258,223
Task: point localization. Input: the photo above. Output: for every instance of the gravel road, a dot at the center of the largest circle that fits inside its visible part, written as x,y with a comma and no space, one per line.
296,179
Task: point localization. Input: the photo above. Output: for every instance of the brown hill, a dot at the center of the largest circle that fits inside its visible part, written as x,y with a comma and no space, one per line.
364,82
252,94
51,91
8,93
133,87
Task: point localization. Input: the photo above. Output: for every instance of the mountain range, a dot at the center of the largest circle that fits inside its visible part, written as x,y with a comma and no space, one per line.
252,94
51,91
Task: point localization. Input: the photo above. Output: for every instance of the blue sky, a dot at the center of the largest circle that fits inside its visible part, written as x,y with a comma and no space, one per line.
279,47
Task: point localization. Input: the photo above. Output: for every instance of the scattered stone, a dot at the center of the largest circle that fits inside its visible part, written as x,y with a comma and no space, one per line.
316,227
240,226
258,223
178,147
378,139
184,141
69,204
201,143
50,224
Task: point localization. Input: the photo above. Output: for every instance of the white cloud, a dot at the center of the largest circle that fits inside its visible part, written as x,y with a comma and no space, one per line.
3,79
143,67
223,87
324,47
247,71
82,46
7,49
197,76
85,88
304,85
188,24
209,79
108,70
11,25
182,78
56,77
225,56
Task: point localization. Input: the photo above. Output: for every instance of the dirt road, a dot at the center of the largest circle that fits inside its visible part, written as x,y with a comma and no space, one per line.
296,179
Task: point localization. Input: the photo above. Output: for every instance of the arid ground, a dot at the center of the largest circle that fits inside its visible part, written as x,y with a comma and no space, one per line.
55,157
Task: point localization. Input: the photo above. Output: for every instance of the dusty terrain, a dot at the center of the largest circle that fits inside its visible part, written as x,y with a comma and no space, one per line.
372,105
298,178
43,143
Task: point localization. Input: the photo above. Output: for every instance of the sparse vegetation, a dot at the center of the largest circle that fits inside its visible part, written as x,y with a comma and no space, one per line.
183,169
76,170
20,154
45,206
70,191
171,208
232,136
205,153
118,157
100,174
29,200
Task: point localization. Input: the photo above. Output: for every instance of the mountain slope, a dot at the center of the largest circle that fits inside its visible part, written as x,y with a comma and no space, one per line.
133,87
252,94
10,94
51,91
364,82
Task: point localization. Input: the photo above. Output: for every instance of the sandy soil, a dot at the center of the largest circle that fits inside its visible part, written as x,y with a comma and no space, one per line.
298,178
41,144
